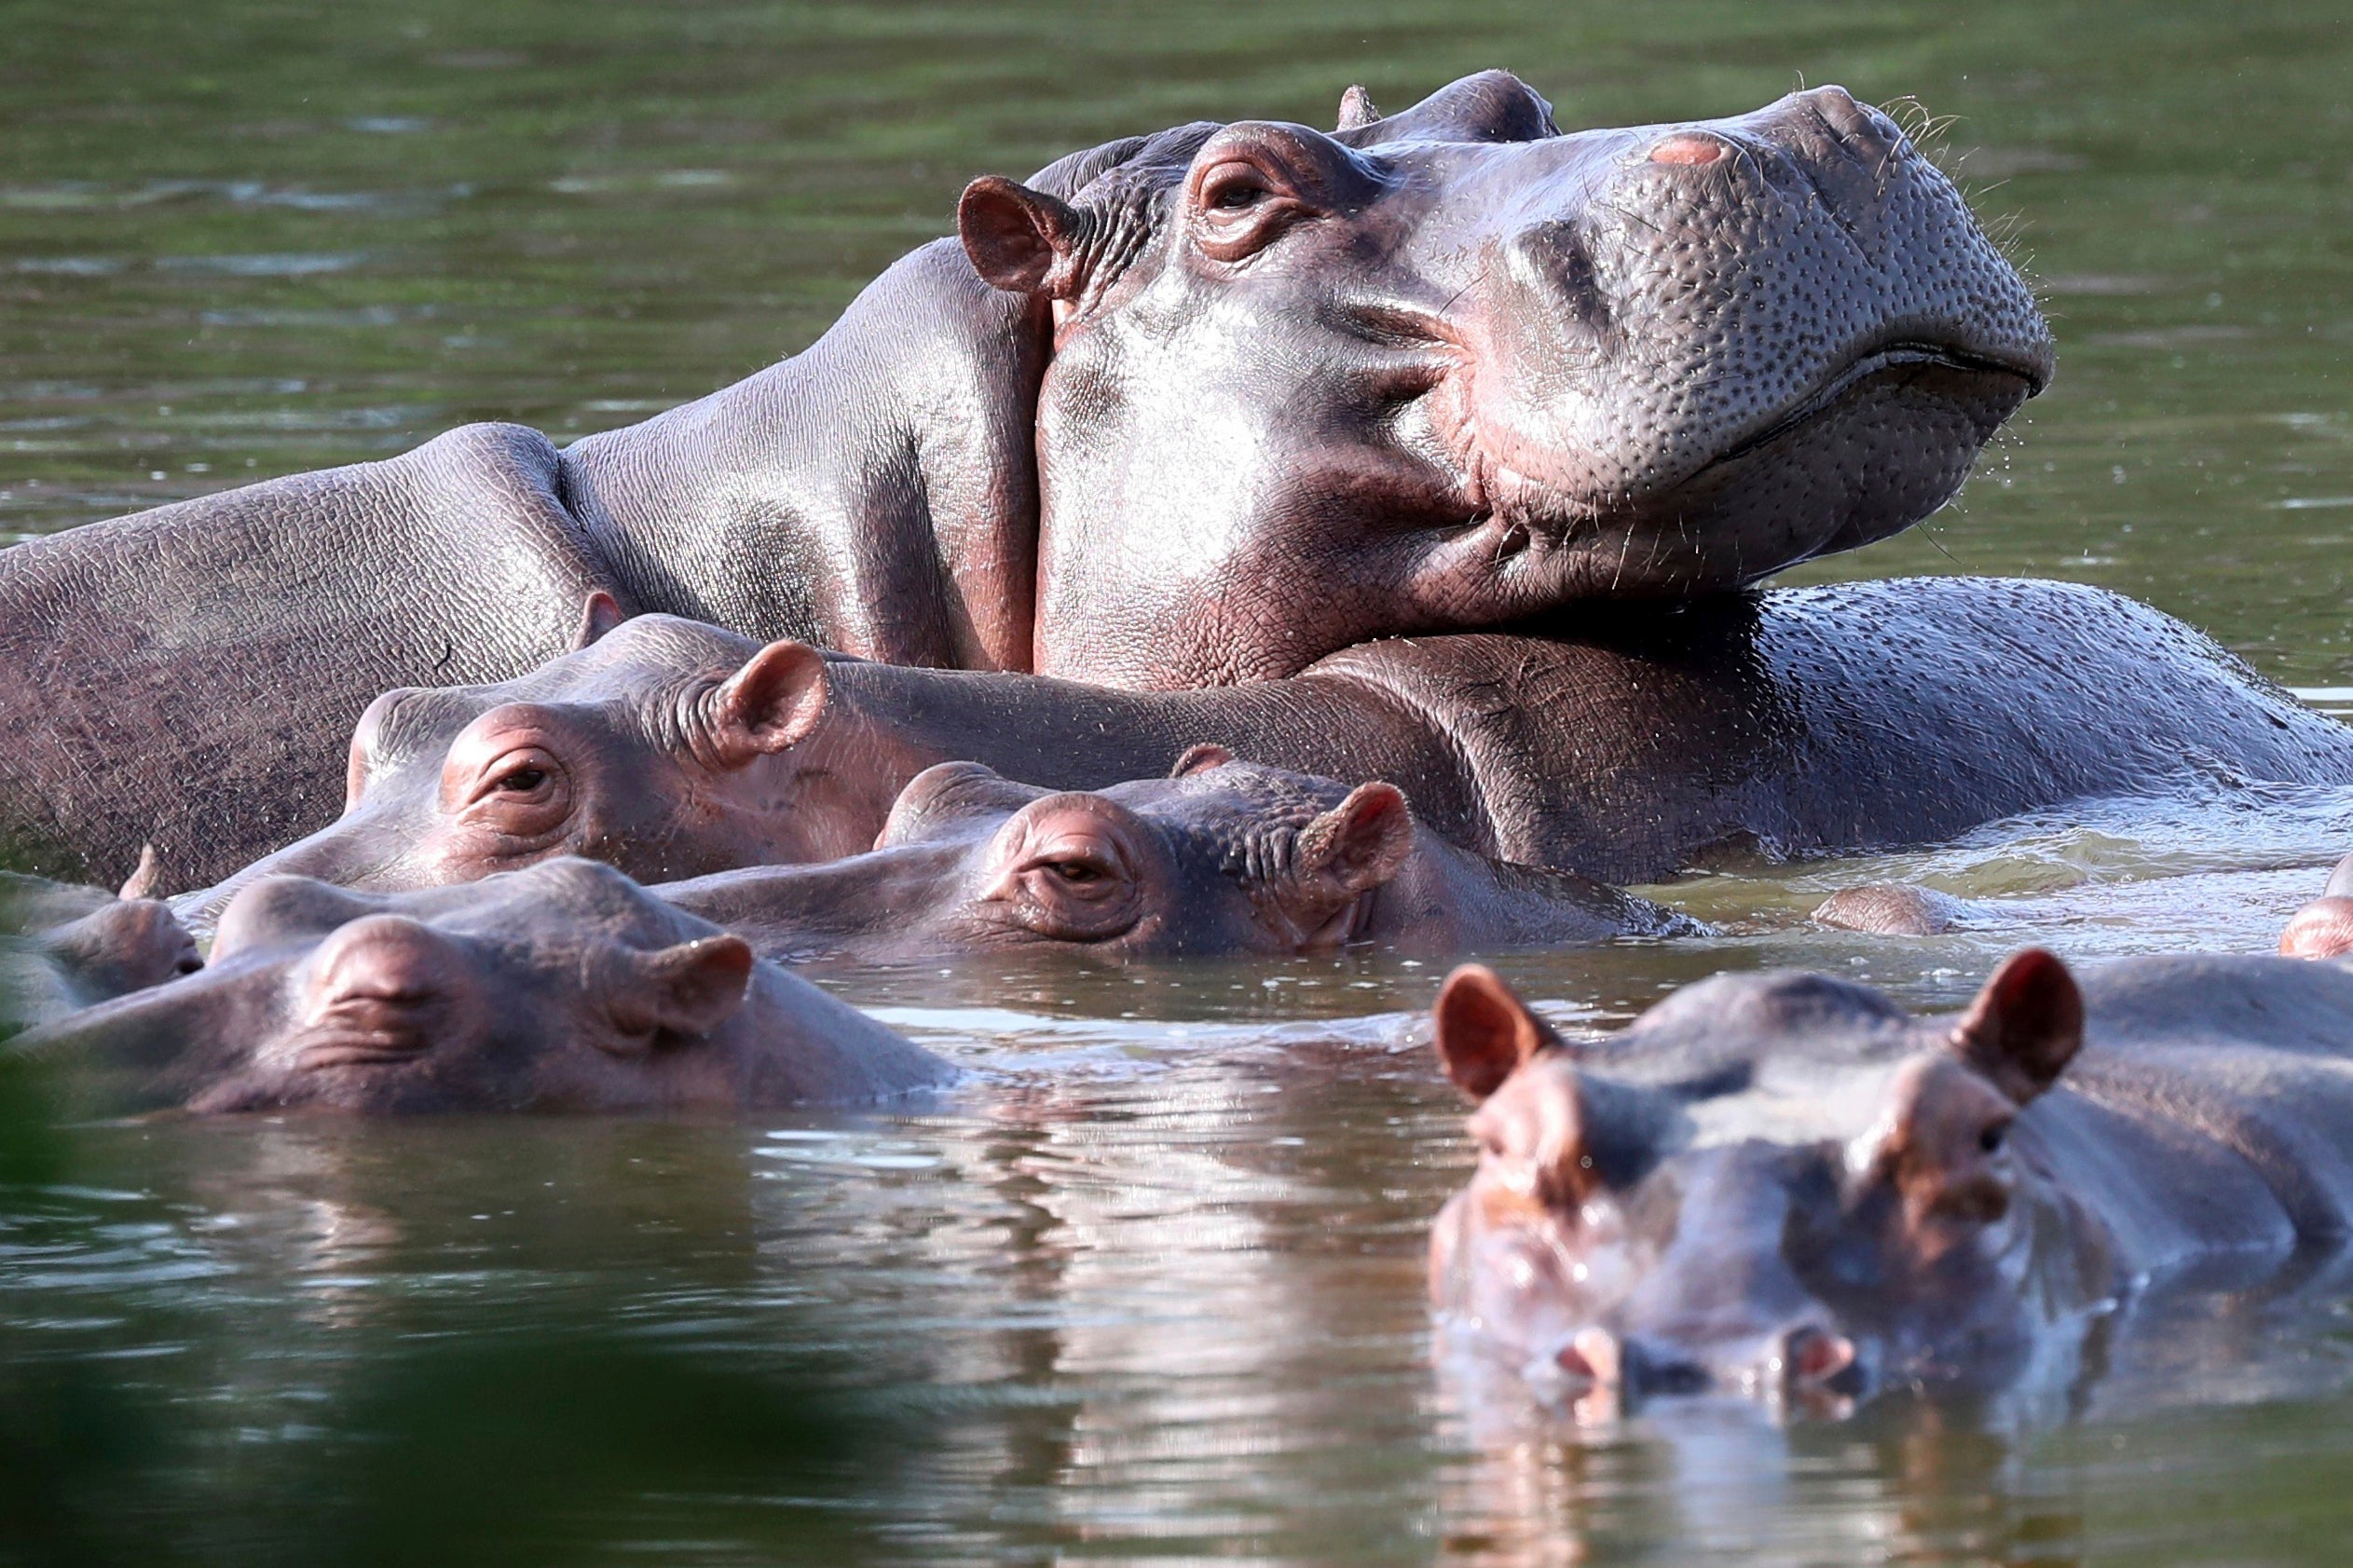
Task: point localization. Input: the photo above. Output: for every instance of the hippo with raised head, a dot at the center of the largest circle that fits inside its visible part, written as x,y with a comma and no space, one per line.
1784,1185
563,987
1221,857
673,749
1261,391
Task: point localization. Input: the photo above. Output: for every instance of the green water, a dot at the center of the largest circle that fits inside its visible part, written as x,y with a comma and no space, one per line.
1151,1290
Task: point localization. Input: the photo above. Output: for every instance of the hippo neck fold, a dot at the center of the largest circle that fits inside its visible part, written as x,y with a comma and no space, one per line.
876,493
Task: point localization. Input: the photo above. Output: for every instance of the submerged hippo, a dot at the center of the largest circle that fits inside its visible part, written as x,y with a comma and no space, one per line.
1784,1186
1796,721
565,987
1223,857
64,948
1261,392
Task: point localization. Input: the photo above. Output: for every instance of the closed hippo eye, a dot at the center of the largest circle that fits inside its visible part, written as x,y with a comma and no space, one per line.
1082,874
1077,894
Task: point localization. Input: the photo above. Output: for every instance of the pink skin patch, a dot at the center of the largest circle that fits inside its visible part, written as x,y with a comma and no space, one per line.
1695,150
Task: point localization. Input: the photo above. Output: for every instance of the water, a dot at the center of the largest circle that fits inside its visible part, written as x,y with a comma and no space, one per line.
1152,1288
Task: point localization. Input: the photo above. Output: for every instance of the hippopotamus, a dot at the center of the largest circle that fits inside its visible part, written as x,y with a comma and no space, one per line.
2324,927
1784,1186
563,987
1212,402
1221,857
64,948
1792,721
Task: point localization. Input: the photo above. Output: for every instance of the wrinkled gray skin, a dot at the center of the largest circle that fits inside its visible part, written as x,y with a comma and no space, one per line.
64,948
1428,380
1820,719
1226,857
562,988
1784,1185
1691,356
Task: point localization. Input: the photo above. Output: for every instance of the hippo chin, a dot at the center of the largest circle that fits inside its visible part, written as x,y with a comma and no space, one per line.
1221,857
1782,1185
1280,391
564,987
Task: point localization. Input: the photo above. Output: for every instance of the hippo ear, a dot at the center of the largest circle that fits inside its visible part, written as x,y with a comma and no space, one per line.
1356,108
143,880
1020,240
598,616
1200,759
769,704
1485,1032
1490,106
689,990
2025,1026
1360,844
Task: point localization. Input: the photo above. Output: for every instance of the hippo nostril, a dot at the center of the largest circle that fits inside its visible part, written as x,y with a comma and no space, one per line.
1685,147
1862,130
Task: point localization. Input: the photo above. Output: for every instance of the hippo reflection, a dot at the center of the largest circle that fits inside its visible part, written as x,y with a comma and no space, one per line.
1785,1186
1223,857
564,987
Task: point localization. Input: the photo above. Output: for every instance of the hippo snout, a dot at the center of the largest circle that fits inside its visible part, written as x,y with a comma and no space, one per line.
382,989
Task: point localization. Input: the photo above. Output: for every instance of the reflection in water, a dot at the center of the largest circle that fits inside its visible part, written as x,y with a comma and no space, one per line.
1152,1287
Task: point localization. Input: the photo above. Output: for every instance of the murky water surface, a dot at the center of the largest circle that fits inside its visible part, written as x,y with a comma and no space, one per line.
1152,1287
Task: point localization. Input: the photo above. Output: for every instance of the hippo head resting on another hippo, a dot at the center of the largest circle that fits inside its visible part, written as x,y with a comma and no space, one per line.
564,987
1454,367
1221,857
665,747
1780,1185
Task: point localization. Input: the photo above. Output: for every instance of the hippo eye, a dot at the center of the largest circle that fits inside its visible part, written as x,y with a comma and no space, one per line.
1235,195
1083,872
1991,1139
522,780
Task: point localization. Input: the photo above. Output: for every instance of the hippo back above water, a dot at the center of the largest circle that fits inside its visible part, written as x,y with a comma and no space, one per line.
1214,404
1796,721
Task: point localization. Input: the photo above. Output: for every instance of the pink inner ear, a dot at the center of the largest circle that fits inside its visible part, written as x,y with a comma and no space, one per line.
1017,238
1200,758
1484,1031
773,701
2025,1025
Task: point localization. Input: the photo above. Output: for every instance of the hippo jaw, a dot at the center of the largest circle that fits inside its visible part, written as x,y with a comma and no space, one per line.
1619,1249
1457,369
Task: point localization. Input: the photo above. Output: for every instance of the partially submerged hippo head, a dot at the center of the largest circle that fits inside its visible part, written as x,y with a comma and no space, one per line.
64,947
564,987
1454,367
1221,857
1773,1184
665,747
